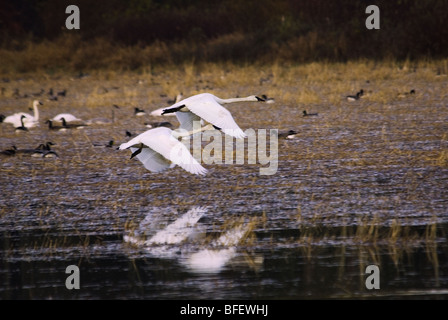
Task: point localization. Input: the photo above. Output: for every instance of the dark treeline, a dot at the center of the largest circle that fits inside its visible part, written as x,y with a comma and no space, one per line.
297,29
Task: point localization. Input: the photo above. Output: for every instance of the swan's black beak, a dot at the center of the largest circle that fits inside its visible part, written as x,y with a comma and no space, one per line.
260,99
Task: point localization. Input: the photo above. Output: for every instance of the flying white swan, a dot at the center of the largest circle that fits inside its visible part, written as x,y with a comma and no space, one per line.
207,107
158,149
29,121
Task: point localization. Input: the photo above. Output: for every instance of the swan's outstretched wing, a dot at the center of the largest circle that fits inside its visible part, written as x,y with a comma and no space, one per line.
152,160
186,120
173,150
212,112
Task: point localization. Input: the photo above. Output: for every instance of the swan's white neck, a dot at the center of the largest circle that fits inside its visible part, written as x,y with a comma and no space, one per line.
36,111
231,100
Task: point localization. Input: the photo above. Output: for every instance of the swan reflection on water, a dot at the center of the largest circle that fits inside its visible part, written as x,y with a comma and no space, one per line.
177,239
213,260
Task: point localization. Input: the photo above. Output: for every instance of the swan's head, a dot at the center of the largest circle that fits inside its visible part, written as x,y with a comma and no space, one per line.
256,98
2,117
37,103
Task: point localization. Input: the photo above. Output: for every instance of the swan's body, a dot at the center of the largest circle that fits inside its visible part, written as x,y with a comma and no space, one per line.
67,116
29,121
208,108
158,149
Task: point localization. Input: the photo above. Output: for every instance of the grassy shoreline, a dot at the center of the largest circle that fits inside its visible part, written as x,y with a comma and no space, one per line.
71,54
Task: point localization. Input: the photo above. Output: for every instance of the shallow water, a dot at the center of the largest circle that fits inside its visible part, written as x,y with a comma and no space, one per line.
365,188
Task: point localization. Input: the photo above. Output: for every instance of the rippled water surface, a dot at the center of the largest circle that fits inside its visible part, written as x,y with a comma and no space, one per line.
363,183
